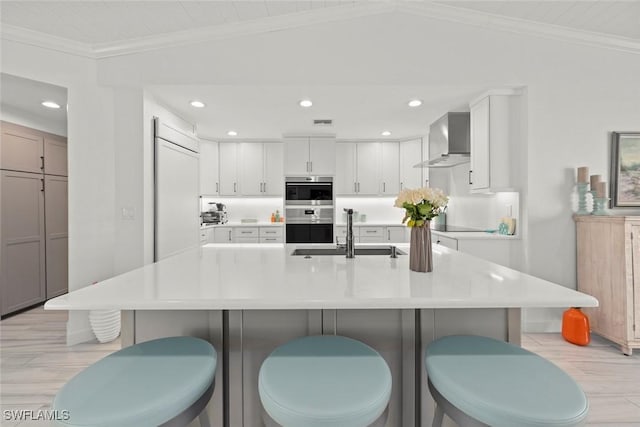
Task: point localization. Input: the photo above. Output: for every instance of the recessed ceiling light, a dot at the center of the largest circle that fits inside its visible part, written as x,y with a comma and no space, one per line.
50,104
415,103
306,103
232,133
386,133
197,104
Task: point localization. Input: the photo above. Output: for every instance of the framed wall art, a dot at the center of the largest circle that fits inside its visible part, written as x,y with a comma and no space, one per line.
625,169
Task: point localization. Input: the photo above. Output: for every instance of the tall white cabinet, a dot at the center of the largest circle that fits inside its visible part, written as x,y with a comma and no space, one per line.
33,217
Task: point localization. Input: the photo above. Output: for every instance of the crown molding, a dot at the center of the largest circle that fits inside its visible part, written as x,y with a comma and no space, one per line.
519,26
46,41
317,16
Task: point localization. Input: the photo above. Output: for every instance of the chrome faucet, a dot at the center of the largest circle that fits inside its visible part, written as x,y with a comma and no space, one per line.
350,251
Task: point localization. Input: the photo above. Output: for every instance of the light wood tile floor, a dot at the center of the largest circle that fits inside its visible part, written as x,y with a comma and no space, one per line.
35,362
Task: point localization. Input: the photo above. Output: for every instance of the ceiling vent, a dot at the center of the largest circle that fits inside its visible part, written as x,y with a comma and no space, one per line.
323,122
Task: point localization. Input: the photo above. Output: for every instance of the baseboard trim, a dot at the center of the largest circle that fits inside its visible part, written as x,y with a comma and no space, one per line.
79,336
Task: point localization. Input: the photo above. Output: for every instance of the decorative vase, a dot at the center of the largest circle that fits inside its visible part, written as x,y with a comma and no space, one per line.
105,324
420,257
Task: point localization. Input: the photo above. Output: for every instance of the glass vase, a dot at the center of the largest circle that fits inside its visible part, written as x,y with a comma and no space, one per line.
420,256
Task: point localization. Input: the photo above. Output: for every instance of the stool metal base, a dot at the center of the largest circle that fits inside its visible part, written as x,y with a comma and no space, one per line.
196,410
443,406
380,422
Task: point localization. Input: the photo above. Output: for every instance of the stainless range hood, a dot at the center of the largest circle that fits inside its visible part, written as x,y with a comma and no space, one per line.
449,141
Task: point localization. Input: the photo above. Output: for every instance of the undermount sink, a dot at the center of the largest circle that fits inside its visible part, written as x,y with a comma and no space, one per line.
364,250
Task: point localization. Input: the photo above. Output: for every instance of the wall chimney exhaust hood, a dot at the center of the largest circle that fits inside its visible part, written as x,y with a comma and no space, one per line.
449,141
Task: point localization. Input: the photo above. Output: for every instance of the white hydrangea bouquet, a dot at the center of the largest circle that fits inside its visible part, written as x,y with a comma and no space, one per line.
421,205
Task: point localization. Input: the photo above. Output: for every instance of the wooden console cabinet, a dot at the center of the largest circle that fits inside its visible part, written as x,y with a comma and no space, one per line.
608,260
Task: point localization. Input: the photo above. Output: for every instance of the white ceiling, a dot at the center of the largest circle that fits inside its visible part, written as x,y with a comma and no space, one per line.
96,22
23,97
270,111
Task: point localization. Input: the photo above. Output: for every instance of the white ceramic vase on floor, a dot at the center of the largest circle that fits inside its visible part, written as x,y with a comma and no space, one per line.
105,324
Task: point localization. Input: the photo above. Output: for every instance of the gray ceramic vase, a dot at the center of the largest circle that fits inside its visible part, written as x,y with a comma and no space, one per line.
420,257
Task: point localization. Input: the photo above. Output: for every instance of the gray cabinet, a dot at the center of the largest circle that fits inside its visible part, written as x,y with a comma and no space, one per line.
57,238
22,240
33,217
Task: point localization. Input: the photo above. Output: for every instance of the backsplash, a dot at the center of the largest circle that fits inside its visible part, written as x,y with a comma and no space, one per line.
259,208
376,209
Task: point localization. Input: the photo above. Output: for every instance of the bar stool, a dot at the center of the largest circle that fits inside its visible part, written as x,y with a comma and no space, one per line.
479,381
324,381
164,382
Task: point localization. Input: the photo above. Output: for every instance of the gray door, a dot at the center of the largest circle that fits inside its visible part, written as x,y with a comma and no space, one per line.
55,203
20,150
22,240
55,155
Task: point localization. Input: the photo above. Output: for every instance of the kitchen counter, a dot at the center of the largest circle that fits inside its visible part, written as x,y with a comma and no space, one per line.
247,299
245,224
475,235
249,277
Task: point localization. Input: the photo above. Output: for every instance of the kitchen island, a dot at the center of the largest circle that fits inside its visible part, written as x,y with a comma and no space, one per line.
248,299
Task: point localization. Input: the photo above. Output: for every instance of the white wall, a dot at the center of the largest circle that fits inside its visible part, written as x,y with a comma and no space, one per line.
576,95
91,164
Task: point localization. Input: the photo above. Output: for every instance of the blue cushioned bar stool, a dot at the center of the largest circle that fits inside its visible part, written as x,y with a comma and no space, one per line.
163,382
324,381
479,381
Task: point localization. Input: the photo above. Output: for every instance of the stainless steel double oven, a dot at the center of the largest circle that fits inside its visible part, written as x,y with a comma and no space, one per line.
309,209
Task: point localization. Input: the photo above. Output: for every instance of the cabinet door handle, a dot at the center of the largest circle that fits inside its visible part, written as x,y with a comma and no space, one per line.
41,162
307,167
355,187
217,187
235,187
264,186
384,187
42,182
370,231
401,185
470,183
229,235
389,235
310,166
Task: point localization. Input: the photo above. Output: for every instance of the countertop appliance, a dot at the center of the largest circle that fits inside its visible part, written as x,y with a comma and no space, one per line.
217,214
177,198
309,209
449,141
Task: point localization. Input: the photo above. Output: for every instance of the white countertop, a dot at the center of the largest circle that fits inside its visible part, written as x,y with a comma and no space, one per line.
475,235
245,224
267,277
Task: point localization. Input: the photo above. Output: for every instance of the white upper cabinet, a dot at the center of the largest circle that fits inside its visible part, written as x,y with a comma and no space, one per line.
345,182
55,155
273,169
496,141
261,169
251,168
310,156
368,168
209,170
410,155
390,168
229,169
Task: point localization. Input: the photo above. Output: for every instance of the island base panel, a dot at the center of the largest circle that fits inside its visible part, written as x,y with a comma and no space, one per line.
250,335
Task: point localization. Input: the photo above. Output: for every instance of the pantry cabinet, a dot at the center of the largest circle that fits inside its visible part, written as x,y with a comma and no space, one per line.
33,217
209,169
496,142
608,267
310,156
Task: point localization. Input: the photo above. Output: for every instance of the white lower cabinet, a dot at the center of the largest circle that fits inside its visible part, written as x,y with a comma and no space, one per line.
222,235
242,234
494,250
397,234
373,234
